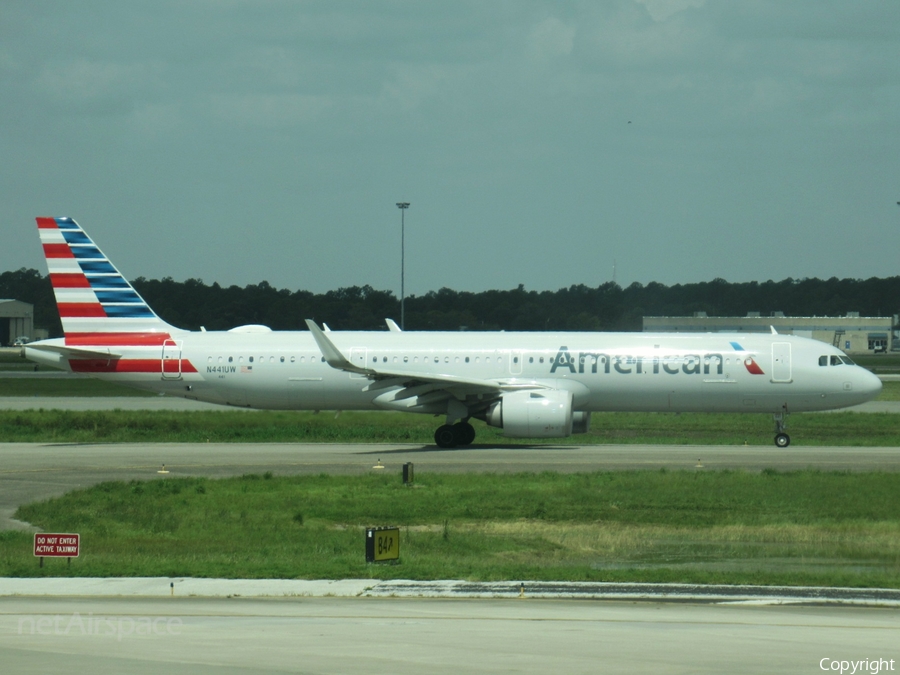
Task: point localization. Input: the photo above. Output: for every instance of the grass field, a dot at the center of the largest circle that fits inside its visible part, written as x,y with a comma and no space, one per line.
808,527
890,391
62,426
880,364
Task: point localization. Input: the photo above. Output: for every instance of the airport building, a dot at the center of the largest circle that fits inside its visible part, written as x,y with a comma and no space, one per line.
852,333
16,320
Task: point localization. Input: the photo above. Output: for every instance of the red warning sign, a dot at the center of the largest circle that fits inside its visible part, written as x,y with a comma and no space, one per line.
59,545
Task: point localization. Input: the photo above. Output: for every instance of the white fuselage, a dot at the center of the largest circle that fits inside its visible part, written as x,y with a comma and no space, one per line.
604,371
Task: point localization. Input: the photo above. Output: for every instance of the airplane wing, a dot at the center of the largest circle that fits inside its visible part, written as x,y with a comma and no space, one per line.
414,384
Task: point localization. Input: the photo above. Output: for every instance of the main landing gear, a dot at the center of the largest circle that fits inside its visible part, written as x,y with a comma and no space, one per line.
782,440
452,435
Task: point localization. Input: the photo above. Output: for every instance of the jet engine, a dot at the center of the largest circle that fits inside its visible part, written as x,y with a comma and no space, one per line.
535,414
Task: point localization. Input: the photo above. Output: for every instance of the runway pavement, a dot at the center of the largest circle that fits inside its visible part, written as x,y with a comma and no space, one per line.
407,636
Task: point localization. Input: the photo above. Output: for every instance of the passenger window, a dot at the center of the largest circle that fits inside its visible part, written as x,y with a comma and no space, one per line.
271,359
405,359
251,359
220,359
541,359
436,359
823,360
282,359
230,359
467,359
293,358
515,359
530,359
384,359
446,359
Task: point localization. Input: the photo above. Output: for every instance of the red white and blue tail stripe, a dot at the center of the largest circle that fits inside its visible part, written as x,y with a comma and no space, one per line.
96,304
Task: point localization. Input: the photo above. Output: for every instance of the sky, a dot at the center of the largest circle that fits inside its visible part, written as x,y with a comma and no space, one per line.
539,143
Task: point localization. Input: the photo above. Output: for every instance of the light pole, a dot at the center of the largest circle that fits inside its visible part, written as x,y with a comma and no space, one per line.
402,206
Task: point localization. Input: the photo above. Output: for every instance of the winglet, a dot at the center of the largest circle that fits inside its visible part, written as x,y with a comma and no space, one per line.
774,332
332,354
392,326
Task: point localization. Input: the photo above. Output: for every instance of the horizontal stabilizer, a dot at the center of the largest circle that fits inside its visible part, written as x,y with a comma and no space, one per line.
73,352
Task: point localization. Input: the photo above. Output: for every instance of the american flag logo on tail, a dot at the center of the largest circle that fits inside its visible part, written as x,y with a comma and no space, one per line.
96,304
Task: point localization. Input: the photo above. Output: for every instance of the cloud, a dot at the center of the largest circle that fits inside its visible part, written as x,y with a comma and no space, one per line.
268,110
660,10
552,38
156,119
84,79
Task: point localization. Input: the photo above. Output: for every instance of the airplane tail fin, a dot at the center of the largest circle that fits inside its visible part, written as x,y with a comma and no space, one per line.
96,303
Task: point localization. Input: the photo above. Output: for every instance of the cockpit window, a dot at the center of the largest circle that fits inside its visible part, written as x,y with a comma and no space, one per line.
848,361
835,360
823,360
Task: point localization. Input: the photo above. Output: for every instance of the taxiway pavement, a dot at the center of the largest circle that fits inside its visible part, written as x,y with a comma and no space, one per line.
34,471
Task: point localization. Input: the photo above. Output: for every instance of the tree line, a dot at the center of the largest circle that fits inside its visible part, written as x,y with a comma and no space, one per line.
192,303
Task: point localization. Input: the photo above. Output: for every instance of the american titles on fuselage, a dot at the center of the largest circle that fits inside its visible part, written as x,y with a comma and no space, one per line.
673,364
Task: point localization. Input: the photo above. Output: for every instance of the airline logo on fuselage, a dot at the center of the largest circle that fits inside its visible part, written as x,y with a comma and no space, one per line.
689,364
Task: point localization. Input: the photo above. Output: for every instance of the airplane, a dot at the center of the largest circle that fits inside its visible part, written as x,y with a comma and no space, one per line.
528,384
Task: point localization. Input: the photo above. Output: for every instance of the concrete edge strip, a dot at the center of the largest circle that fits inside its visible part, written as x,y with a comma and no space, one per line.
376,588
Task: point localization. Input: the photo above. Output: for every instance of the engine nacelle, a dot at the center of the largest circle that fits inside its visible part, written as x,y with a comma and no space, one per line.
581,422
533,414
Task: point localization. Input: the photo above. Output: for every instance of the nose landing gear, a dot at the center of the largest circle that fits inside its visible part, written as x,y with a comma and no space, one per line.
782,440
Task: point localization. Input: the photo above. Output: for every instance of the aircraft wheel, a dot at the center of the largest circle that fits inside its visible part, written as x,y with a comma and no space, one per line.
465,433
445,436
782,440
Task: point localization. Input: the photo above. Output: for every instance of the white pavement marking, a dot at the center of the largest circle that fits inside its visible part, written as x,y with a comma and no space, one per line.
404,588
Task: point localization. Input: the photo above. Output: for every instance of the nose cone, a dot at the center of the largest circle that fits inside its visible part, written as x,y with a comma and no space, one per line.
867,385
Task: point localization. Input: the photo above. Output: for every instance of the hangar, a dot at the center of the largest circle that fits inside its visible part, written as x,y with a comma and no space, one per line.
852,333
16,320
